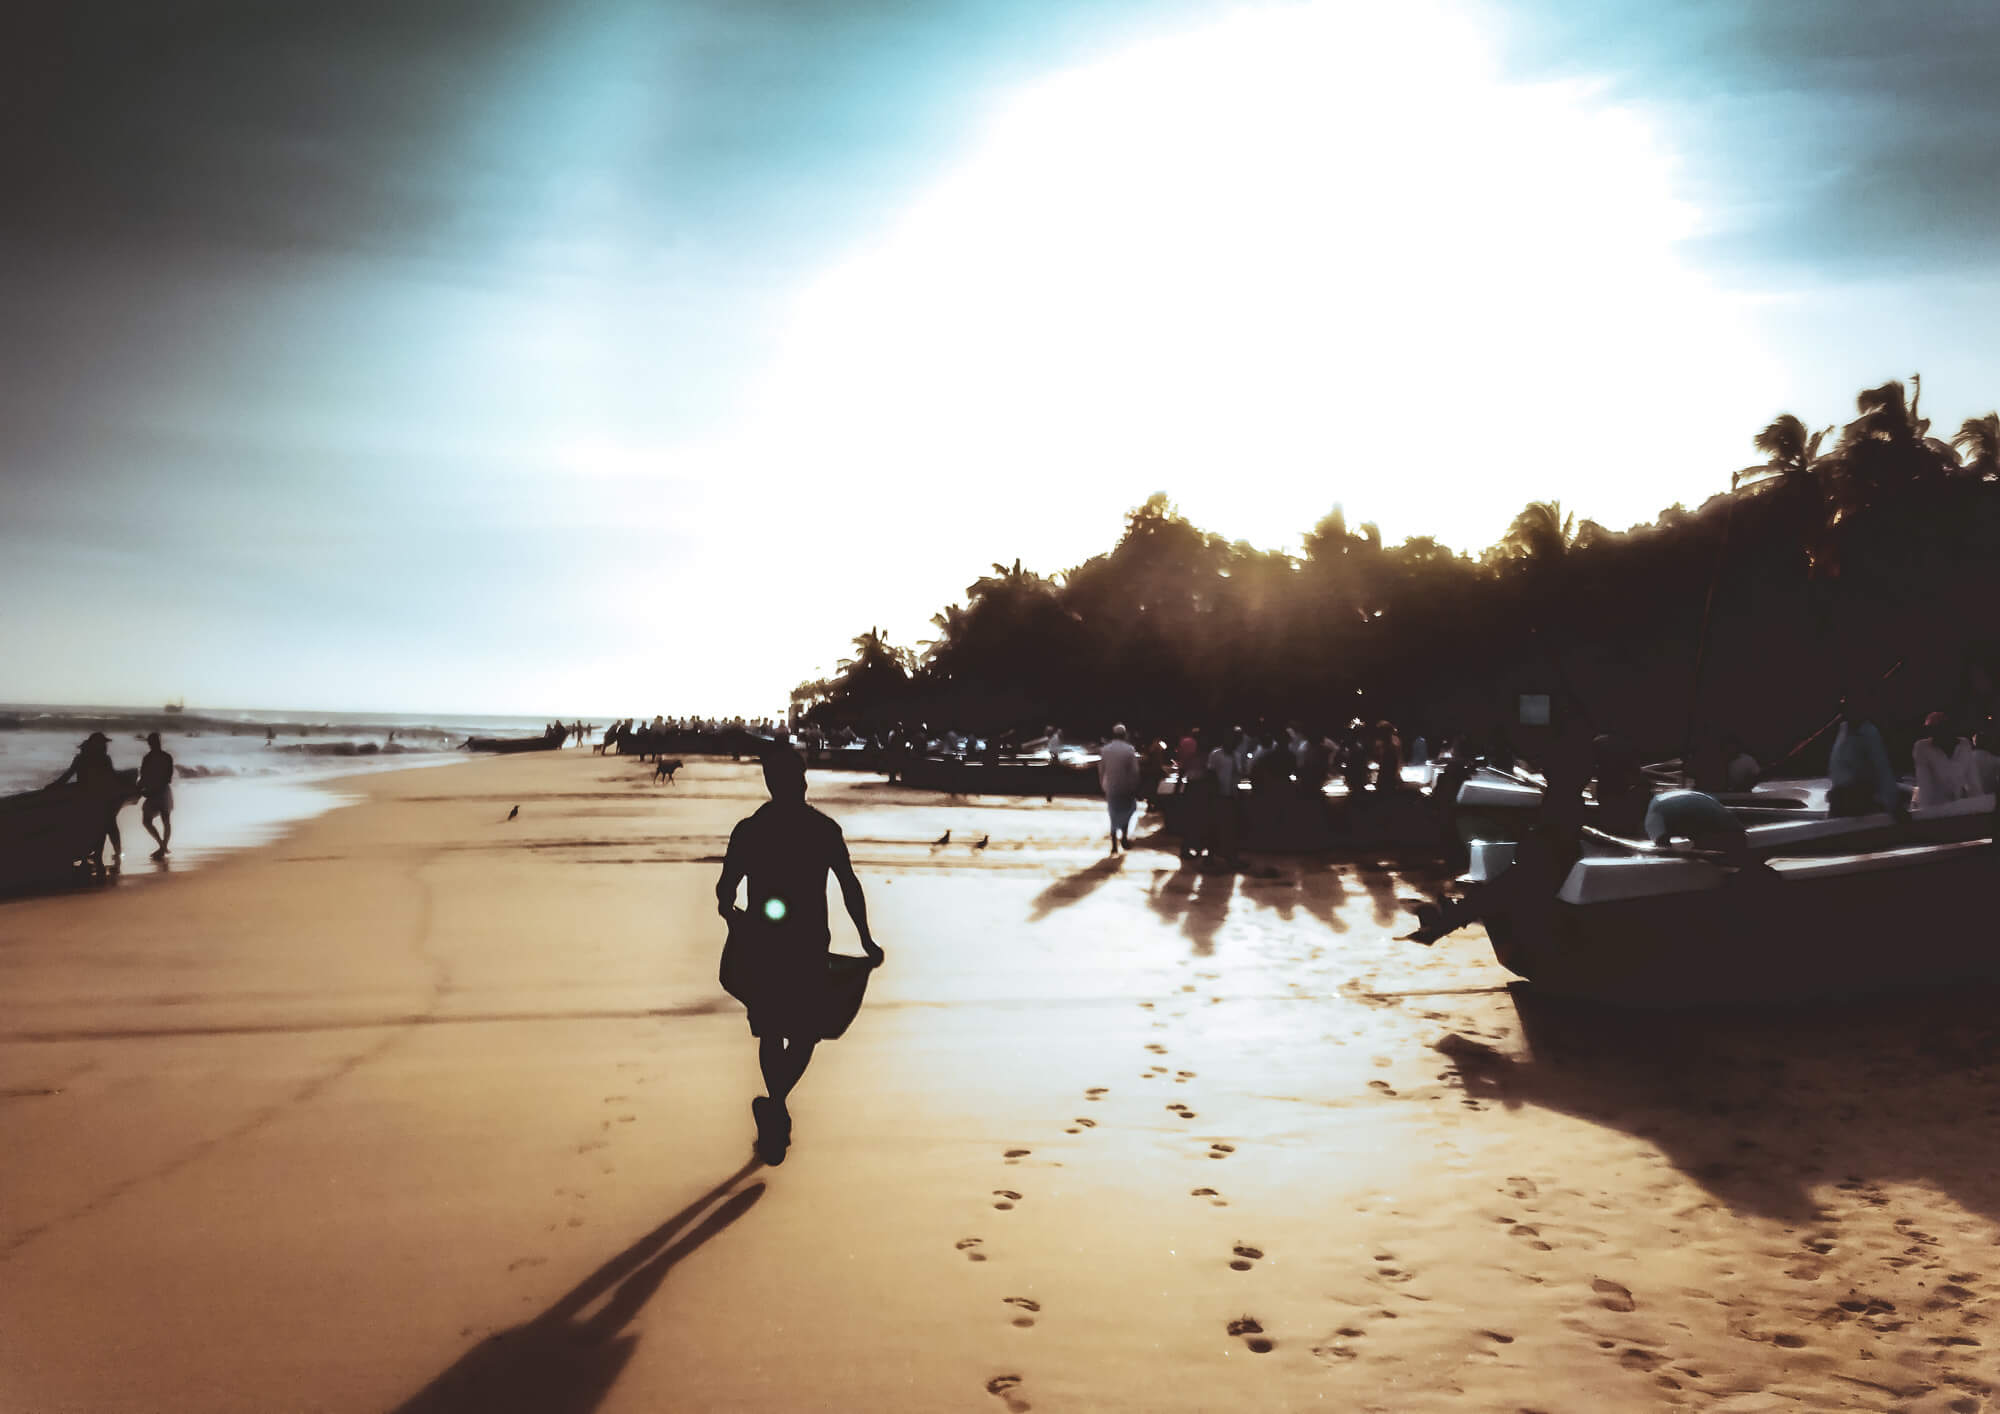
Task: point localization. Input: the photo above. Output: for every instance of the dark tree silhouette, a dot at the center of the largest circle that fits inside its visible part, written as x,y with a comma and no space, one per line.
1812,571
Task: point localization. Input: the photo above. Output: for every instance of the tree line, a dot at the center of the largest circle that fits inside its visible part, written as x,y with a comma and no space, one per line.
1805,577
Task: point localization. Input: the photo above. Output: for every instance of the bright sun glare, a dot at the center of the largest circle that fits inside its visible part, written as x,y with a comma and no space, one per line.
1311,254
1317,254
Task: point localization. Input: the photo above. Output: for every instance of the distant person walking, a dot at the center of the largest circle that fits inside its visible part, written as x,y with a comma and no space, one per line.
784,852
1118,774
156,794
93,773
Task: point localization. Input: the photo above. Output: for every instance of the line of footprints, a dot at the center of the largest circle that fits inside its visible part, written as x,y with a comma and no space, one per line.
1243,1257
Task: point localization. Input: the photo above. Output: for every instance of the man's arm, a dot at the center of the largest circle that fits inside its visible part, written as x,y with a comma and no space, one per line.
732,875
857,906
70,771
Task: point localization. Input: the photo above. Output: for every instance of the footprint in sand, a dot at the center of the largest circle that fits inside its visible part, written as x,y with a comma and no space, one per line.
1518,1187
1612,1296
1221,1151
1213,1197
1181,1077
1014,1156
970,1247
1244,1257
1380,1087
1253,1335
1336,1347
1024,1321
1531,1237
1003,1386
1007,1196
1182,1110
1156,1048
1096,1092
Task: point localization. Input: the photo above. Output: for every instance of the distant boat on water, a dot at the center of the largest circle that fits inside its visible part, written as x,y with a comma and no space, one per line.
177,706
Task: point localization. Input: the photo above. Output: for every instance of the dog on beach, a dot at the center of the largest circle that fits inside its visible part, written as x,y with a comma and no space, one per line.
665,769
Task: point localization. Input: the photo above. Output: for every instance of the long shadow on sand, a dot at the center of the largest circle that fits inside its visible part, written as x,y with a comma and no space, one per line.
1075,888
1761,1107
1197,899
563,1362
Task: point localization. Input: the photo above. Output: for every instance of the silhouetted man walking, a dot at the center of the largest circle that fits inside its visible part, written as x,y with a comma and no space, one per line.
785,852
156,790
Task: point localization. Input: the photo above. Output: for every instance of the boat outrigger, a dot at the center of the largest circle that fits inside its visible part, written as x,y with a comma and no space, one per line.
1812,906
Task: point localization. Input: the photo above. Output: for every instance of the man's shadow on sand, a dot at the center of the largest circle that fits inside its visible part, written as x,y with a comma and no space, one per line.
1762,1107
562,1361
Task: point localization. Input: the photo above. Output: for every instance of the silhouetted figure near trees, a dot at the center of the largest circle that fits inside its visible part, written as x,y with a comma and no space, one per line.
156,791
784,852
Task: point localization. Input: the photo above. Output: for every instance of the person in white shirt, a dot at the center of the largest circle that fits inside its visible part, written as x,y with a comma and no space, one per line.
1118,774
1223,770
1946,769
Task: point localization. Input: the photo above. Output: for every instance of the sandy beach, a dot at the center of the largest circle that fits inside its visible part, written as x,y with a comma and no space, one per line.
417,1109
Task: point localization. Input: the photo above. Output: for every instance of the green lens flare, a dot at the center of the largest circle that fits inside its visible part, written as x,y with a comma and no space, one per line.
774,909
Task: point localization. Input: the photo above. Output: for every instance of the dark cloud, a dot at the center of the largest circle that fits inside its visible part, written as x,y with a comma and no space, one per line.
1831,138
420,126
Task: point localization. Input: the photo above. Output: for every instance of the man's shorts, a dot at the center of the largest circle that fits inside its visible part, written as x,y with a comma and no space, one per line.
160,802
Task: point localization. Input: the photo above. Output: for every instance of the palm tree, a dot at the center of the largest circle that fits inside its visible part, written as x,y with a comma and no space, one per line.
1887,447
950,625
1979,439
1790,452
1540,535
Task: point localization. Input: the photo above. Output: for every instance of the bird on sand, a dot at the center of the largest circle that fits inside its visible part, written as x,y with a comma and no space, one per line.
984,840
512,813
943,839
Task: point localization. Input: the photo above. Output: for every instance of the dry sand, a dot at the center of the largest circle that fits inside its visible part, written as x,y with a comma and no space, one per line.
416,1109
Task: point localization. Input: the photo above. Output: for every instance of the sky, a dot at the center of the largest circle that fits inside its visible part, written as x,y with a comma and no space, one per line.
628,357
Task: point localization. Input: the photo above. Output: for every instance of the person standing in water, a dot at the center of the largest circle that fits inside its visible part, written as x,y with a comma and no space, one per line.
784,852
156,792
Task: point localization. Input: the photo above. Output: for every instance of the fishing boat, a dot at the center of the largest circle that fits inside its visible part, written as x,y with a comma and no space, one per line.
1811,907
52,836
547,741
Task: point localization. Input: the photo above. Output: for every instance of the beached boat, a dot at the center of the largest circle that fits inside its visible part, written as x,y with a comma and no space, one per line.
49,836
1815,907
548,741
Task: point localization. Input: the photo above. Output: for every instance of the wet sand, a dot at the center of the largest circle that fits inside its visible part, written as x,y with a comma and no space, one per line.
416,1109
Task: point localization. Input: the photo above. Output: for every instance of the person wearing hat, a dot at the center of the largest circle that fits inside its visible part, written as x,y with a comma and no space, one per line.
156,791
93,772
1946,769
